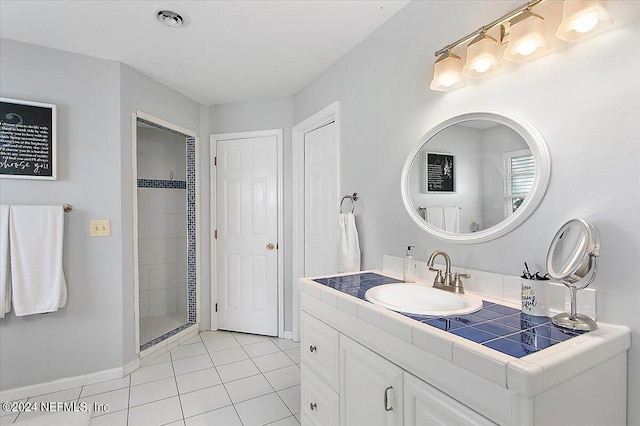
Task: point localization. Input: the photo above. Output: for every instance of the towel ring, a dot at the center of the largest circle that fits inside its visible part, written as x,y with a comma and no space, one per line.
353,198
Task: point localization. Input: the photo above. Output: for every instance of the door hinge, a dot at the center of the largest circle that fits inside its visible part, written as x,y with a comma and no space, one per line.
216,307
215,161
215,234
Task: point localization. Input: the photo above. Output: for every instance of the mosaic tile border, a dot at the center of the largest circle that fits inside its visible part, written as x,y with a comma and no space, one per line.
160,183
495,326
160,127
190,186
191,229
165,336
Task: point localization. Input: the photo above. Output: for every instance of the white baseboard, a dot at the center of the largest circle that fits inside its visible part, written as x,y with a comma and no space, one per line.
100,376
131,366
289,335
61,384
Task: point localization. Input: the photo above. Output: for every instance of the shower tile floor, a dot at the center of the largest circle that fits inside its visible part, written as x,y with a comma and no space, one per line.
216,378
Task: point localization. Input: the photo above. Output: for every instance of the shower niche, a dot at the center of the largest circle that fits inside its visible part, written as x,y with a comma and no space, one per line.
165,224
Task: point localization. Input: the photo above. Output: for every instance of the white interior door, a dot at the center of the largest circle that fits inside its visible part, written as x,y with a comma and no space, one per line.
247,232
321,198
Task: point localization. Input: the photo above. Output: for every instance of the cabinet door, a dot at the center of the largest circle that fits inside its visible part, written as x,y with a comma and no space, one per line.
319,348
424,405
370,387
319,403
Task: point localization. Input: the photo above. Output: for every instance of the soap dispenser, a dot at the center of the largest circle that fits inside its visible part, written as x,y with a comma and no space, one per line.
408,268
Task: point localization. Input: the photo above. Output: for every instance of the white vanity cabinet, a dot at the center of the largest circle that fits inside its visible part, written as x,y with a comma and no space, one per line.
347,384
365,365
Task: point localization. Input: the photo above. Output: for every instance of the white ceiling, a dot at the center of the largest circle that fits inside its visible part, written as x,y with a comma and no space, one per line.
229,51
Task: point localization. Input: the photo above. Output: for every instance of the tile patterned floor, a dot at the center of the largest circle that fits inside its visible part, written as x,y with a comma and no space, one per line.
216,378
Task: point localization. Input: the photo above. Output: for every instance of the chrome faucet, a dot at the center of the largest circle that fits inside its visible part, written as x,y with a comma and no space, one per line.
446,283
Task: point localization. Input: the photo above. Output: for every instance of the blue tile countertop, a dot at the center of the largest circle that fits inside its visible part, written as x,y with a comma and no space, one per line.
495,326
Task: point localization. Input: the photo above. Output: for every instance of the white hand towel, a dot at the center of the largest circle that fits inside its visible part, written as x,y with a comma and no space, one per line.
451,219
435,217
5,283
348,245
37,279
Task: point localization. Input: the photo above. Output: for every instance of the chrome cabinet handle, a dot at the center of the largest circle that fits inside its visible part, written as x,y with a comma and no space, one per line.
312,349
313,406
386,399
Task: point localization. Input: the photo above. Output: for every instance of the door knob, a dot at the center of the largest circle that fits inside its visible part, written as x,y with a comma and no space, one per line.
270,246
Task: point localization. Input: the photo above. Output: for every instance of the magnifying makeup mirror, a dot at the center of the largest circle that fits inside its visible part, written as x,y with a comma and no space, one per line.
572,260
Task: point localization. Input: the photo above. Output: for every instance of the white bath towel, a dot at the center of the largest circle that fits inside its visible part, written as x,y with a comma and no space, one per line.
348,259
435,217
5,282
35,239
451,219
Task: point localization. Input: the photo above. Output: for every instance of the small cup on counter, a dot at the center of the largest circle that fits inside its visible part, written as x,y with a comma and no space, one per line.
535,297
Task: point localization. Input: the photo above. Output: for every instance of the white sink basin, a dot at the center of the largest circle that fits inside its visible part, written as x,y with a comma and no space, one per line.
422,300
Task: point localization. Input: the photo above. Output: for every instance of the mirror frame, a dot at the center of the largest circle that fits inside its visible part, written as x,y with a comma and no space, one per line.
583,262
540,152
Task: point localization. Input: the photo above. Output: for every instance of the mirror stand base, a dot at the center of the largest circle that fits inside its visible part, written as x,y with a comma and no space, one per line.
574,322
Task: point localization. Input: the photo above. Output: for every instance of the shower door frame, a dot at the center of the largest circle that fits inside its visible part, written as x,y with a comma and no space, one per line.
190,325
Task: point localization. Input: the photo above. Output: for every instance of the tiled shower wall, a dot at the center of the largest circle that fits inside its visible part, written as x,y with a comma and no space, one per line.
162,223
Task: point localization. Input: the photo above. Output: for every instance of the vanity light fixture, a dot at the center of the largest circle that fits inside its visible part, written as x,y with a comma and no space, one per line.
583,18
523,31
527,38
447,73
482,56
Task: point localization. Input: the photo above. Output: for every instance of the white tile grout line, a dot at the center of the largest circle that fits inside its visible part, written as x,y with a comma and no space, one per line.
276,392
232,334
175,380
224,387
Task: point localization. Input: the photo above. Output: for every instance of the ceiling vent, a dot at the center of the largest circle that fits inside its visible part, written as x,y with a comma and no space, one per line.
170,19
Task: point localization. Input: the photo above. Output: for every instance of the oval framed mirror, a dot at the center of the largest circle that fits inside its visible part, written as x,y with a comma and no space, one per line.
476,176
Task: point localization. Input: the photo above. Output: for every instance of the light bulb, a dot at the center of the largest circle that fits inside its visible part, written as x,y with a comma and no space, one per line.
482,65
527,47
586,23
447,80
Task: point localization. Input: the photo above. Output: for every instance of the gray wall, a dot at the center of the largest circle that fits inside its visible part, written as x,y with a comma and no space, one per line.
95,99
261,115
86,335
584,101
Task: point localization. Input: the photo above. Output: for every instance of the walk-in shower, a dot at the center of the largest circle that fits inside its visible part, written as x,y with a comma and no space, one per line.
166,246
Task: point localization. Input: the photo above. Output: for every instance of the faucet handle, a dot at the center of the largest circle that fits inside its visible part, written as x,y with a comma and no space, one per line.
457,282
439,279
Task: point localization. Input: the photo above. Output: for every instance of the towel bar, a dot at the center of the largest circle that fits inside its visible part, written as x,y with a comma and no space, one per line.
353,198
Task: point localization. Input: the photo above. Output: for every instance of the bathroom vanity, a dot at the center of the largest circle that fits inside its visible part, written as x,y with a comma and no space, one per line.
366,365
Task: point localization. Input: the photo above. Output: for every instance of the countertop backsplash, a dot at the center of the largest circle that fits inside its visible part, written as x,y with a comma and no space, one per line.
504,288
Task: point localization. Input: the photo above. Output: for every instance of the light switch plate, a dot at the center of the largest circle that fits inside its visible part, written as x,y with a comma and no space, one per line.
100,228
